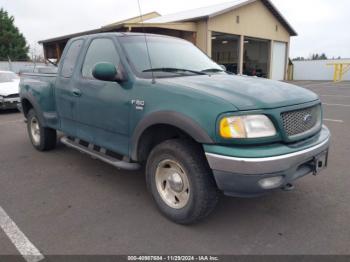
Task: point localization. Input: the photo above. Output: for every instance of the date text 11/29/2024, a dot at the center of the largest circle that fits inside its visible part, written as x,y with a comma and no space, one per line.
173,258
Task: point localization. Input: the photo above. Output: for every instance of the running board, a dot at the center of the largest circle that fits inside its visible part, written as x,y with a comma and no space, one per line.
99,154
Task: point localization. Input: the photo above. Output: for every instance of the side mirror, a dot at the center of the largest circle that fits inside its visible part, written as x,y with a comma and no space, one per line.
105,72
223,67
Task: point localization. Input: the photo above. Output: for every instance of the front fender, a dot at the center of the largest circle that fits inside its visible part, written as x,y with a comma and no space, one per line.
178,120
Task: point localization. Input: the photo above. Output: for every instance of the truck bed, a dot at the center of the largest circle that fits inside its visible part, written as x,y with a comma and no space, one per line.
40,88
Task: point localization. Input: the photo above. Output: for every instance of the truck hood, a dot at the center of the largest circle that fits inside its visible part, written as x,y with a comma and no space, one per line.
246,93
9,88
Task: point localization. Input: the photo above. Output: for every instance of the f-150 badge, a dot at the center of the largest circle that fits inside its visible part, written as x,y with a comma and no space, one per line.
139,104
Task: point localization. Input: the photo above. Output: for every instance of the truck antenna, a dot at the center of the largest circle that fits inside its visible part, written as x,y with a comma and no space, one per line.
147,48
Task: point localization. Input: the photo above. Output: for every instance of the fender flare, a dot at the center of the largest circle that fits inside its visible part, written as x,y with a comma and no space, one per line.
178,120
35,105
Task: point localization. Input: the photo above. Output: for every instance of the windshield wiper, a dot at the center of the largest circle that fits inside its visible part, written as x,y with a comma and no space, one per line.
212,70
174,70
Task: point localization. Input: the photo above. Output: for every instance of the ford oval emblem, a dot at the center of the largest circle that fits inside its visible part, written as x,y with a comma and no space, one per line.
307,119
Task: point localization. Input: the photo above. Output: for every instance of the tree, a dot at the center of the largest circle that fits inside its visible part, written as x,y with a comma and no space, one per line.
318,57
13,45
314,57
323,56
299,58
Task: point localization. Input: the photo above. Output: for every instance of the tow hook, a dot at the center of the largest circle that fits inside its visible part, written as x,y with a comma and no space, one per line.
288,187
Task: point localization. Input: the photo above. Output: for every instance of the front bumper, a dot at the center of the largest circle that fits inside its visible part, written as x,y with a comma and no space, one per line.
9,103
238,176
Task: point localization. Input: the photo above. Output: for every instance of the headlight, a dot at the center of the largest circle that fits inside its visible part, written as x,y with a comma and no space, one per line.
250,126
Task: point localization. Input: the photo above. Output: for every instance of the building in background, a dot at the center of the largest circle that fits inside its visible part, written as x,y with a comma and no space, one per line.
247,36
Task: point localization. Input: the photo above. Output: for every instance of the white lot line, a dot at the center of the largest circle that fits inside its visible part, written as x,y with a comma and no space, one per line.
318,86
322,84
10,122
29,252
333,120
335,96
340,105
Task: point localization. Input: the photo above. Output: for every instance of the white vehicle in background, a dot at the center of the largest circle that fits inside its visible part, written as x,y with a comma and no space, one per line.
9,90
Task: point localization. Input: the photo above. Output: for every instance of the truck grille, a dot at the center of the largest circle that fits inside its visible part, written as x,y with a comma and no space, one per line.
300,122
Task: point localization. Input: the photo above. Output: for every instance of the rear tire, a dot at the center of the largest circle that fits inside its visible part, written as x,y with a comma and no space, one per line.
42,138
181,182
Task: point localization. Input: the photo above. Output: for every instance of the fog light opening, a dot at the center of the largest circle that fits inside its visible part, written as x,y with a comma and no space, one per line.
271,182
288,187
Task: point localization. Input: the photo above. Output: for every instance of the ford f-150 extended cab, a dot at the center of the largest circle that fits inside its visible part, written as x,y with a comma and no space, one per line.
164,105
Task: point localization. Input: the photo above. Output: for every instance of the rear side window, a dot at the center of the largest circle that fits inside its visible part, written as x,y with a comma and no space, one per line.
71,58
100,50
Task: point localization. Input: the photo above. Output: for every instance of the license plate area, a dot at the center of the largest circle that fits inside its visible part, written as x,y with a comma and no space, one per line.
320,162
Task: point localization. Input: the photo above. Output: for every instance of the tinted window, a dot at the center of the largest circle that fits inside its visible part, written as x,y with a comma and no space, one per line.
71,58
100,50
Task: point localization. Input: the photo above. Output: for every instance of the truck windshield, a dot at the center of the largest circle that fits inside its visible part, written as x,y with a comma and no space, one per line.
170,57
8,77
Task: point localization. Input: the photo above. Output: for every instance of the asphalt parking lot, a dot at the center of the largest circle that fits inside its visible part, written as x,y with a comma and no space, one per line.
67,203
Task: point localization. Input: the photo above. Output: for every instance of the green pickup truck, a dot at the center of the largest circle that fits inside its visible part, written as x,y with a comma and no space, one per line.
158,103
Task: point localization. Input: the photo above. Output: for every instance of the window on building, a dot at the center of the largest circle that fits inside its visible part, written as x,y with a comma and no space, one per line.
225,50
256,57
100,50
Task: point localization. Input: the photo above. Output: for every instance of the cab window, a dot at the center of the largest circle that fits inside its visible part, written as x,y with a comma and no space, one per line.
71,58
100,50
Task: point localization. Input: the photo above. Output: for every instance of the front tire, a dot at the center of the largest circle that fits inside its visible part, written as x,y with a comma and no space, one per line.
181,181
42,138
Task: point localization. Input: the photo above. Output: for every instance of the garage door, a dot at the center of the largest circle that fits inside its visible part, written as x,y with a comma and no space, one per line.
279,60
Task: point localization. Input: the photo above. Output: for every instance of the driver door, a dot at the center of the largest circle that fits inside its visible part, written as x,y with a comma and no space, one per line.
103,107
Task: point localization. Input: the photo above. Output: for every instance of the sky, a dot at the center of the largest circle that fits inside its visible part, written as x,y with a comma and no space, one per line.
322,25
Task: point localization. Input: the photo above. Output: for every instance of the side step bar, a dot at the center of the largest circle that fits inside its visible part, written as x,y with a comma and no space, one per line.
101,154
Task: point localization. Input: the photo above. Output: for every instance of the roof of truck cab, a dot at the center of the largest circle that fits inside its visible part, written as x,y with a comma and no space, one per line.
121,34
93,33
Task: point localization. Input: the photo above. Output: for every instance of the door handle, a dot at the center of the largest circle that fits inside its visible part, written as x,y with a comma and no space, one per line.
76,92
